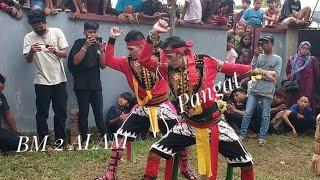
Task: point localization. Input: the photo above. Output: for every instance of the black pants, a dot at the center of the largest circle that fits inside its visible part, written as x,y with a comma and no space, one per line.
94,97
9,140
59,97
301,125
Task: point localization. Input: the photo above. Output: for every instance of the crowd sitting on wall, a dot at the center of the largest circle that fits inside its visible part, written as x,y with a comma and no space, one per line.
218,12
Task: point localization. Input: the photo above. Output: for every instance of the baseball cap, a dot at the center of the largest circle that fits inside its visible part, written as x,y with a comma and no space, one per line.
36,15
267,37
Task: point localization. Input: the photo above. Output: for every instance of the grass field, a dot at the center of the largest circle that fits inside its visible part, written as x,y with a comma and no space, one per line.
283,158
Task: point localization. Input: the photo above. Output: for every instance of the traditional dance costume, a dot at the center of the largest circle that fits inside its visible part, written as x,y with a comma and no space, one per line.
202,123
153,112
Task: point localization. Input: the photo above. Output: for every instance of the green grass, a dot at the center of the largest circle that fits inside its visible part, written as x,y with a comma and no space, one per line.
283,158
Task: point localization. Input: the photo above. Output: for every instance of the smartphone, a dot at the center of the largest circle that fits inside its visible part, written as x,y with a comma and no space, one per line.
44,47
99,39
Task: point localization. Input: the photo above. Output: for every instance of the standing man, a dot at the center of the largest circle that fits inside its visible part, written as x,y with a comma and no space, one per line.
262,89
85,60
46,47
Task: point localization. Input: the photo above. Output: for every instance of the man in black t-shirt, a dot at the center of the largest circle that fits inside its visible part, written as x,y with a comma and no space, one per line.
9,138
292,14
85,60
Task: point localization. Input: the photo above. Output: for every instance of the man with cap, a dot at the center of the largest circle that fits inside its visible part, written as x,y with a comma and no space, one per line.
262,89
153,111
85,60
46,47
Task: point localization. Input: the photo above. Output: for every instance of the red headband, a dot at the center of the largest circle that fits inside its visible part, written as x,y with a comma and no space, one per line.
136,43
193,77
175,50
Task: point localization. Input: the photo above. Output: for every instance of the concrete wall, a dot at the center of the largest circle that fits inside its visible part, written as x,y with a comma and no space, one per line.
20,89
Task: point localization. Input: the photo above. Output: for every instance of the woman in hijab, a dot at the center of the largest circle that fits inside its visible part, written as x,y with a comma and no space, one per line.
305,69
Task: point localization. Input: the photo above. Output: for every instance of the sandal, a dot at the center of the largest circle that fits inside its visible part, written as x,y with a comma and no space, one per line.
189,175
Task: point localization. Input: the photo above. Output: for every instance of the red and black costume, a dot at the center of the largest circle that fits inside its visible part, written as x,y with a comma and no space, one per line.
153,111
197,76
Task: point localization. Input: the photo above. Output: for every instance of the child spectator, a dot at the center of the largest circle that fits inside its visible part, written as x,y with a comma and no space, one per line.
151,10
277,104
245,57
262,90
254,17
236,108
118,113
231,53
8,7
245,44
299,117
277,111
221,16
245,5
271,15
76,6
37,4
192,12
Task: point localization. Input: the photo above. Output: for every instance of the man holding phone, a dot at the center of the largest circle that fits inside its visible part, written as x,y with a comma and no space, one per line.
46,47
85,60
262,89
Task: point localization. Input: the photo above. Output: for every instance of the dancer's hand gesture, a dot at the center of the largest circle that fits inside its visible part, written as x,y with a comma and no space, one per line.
115,32
160,27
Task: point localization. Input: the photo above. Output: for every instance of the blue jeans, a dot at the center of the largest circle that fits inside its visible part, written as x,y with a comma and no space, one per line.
252,102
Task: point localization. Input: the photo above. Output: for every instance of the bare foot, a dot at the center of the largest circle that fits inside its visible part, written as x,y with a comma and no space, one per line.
54,11
47,11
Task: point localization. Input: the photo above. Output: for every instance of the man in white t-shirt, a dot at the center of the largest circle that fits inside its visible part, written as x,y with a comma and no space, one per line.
46,47
192,12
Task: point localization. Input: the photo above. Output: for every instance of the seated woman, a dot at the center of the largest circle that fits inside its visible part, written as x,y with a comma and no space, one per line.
303,68
292,14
